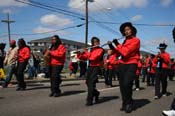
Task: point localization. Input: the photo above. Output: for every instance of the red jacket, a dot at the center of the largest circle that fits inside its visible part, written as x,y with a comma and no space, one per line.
129,51
152,67
24,54
173,66
165,59
111,61
58,56
139,67
95,56
71,66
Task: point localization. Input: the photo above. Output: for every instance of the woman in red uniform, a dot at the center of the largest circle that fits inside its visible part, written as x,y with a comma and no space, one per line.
110,64
57,54
95,57
130,55
23,57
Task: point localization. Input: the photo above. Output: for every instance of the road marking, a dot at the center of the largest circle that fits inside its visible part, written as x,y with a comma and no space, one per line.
101,90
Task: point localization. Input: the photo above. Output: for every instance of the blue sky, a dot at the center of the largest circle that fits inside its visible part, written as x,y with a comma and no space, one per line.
33,21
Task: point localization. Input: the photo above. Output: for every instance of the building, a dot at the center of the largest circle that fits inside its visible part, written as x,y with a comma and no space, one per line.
39,45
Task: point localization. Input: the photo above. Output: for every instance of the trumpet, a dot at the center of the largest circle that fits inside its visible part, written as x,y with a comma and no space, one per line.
82,49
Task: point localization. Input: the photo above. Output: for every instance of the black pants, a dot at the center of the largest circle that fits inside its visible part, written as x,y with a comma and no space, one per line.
161,77
20,74
150,79
55,78
171,74
83,68
144,74
75,67
173,105
91,81
127,73
108,77
137,82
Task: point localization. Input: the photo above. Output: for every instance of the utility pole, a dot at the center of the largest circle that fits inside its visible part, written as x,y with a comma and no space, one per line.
8,21
86,12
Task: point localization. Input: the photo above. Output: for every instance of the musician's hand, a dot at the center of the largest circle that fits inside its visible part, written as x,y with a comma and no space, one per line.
115,41
109,42
84,50
110,45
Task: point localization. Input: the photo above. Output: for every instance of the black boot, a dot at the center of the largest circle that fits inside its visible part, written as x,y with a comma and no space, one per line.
128,108
97,97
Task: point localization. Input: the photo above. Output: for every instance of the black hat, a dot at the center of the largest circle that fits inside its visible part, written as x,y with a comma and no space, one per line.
162,46
128,24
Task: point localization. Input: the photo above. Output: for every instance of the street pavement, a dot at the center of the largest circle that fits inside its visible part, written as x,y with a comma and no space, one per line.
34,101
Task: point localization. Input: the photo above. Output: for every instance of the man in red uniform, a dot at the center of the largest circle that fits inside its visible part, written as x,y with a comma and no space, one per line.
130,55
57,54
23,57
162,61
95,57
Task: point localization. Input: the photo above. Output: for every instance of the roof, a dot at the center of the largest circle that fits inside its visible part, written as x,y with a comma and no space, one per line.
48,39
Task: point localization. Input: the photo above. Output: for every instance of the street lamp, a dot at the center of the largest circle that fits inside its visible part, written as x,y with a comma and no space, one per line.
86,12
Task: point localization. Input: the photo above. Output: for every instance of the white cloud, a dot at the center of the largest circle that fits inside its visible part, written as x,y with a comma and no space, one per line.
166,2
151,45
7,3
136,18
98,5
48,31
54,20
7,11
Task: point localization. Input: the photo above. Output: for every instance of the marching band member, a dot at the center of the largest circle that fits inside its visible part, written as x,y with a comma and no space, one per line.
130,55
57,54
95,57
23,58
110,64
162,61
137,81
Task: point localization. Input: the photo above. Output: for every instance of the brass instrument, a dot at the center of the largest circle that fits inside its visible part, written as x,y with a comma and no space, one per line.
46,57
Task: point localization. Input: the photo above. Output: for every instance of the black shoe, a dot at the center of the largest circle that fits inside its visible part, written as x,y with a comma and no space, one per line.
128,108
122,109
97,97
56,95
89,103
23,89
51,94
18,89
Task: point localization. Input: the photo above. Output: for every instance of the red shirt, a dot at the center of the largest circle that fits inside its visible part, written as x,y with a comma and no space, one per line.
24,54
58,56
111,61
139,67
165,59
70,66
95,56
129,51
153,66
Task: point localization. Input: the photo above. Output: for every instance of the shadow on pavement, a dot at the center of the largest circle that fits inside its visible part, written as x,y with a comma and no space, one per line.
138,103
35,88
1,97
70,85
66,93
106,98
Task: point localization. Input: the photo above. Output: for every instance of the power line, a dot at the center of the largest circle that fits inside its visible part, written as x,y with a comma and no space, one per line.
34,2
27,34
50,9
